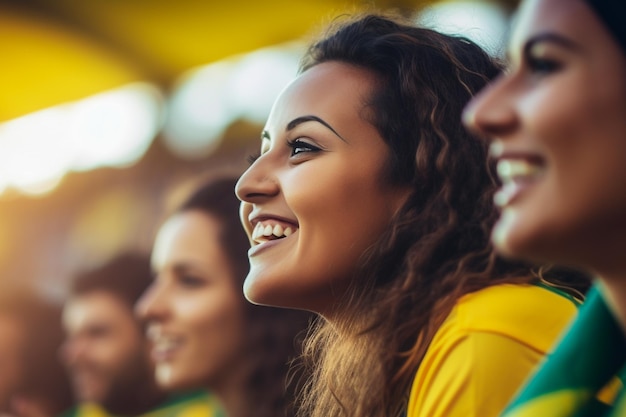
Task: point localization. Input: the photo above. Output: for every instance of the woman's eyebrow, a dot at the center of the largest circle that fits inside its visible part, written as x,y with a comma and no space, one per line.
310,118
550,38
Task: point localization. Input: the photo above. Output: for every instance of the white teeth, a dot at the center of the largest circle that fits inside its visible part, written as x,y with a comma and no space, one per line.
505,194
257,232
165,344
278,230
496,149
515,174
262,232
509,170
500,199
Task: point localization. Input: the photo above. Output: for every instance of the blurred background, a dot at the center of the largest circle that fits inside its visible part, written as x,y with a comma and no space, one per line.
107,106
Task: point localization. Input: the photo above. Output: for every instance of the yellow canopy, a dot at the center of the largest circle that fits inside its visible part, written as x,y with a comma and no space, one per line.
62,50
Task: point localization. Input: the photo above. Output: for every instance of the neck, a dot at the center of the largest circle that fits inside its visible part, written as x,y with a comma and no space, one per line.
605,260
232,403
139,400
614,291
231,391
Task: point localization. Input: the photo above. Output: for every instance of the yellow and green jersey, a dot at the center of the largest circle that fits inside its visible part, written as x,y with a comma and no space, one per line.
193,404
584,375
487,347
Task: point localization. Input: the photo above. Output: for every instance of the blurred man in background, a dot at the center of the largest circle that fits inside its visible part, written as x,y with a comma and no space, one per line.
32,380
106,351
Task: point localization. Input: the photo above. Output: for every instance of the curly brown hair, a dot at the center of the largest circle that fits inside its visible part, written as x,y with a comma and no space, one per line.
273,335
438,247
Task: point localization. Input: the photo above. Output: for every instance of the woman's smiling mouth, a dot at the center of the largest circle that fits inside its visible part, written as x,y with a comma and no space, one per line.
516,174
266,231
164,346
269,231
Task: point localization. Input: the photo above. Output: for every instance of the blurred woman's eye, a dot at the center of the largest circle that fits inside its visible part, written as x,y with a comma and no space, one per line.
543,66
98,331
299,146
191,281
541,58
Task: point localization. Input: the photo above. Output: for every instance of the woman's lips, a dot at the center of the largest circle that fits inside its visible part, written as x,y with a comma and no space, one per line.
517,175
268,231
164,347
264,243
165,350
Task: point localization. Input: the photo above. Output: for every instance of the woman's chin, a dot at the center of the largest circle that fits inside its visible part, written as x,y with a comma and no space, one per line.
164,374
253,290
511,239
501,234
170,380
264,288
515,239
275,292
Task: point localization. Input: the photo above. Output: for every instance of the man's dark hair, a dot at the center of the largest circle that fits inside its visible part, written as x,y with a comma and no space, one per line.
126,276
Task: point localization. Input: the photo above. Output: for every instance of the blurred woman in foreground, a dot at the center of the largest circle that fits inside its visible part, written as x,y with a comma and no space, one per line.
557,124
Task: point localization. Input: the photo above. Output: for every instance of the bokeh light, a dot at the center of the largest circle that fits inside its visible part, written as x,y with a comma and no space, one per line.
113,128
207,100
485,23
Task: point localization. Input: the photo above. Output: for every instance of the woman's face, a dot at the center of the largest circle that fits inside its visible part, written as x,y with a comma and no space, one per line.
314,200
557,121
194,309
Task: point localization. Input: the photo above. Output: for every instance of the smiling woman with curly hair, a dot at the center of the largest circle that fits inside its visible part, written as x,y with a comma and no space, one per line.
370,205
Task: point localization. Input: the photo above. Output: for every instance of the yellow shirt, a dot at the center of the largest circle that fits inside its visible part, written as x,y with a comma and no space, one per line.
197,404
486,348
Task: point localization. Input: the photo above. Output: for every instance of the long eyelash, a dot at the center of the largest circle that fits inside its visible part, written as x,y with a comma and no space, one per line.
303,146
292,143
251,159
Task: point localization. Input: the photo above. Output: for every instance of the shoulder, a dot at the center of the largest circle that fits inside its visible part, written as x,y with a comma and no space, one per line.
193,404
529,314
486,348
86,410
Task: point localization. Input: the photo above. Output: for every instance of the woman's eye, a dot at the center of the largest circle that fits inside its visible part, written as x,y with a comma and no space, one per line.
190,281
542,66
299,146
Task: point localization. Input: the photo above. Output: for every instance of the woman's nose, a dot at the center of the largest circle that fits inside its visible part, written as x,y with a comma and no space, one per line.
491,113
258,182
151,304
